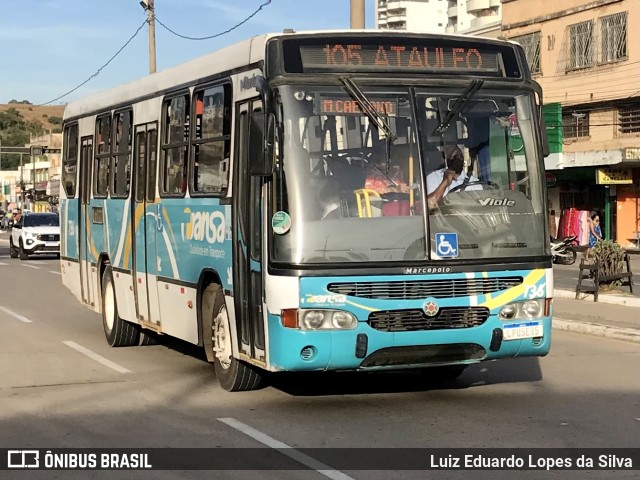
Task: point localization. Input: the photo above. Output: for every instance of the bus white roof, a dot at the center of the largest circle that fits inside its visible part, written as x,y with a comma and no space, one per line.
227,58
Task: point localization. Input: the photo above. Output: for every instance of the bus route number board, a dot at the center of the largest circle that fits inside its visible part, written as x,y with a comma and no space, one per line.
518,331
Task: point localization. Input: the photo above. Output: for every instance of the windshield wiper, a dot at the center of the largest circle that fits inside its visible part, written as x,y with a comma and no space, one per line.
469,92
378,120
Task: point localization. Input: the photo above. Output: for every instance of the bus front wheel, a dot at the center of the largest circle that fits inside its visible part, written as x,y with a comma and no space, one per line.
232,374
119,332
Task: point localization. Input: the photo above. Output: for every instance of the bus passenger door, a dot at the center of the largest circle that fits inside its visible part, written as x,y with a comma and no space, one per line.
144,223
247,242
84,225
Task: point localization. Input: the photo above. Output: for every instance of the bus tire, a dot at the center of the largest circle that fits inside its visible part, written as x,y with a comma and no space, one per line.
119,332
232,374
147,337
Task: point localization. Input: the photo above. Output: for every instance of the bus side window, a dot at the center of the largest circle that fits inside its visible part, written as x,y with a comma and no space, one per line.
70,160
211,143
102,156
121,165
174,146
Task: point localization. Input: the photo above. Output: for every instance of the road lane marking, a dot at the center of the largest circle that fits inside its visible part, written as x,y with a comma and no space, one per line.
30,266
55,273
15,315
94,356
2,263
285,449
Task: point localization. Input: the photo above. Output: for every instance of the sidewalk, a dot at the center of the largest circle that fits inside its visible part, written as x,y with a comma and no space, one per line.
616,314
601,319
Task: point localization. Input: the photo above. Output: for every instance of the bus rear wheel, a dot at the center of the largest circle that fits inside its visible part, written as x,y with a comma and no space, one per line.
232,374
119,332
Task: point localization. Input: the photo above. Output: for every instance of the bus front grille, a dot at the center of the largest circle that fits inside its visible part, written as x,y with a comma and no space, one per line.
425,355
412,320
417,289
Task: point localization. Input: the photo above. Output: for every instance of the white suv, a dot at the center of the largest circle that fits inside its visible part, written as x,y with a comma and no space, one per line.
35,233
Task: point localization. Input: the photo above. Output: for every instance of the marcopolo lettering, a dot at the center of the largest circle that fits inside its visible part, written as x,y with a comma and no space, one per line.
421,270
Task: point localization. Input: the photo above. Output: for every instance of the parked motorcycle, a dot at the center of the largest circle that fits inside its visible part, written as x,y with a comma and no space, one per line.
563,250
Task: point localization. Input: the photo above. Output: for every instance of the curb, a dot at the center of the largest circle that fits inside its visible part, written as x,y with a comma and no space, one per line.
626,301
617,333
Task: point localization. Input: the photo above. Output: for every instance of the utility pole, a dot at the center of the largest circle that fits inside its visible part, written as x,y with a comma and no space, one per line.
357,14
150,9
21,183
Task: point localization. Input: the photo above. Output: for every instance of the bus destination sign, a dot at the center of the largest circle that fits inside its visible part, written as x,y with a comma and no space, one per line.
326,105
335,57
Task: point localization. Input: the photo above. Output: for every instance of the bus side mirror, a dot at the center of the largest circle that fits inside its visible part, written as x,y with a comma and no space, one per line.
261,141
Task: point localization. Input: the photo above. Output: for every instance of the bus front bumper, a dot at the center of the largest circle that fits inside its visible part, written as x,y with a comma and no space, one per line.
367,348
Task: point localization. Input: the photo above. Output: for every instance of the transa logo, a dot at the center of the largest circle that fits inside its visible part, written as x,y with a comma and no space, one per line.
335,299
209,226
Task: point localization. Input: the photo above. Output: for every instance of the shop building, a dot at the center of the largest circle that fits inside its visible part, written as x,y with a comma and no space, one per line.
586,56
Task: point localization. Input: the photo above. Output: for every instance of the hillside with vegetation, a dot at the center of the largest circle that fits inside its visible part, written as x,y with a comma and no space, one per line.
20,120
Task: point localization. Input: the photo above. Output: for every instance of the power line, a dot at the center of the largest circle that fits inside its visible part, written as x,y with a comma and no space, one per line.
615,82
186,37
577,101
622,93
600,68
100,69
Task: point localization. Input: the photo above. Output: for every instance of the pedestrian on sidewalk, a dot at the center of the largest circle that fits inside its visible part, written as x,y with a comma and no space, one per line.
595,233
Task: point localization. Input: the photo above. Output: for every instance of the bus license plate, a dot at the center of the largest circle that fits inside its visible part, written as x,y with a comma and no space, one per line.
518,331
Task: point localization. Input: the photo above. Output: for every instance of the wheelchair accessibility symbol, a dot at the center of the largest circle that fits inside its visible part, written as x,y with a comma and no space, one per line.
447,244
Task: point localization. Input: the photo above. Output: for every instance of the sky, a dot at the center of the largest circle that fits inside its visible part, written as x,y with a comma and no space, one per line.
48,47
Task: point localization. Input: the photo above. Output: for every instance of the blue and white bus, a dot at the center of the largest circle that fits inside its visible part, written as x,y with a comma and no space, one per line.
290,203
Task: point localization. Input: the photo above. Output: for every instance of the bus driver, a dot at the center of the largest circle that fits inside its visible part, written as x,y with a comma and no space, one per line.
440,182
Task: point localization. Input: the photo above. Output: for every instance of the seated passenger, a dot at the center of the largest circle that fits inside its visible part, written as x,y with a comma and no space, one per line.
382,182
452,175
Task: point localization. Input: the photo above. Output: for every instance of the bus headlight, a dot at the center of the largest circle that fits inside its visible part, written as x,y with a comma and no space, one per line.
326,320
312,319
531,308
523,310
343,320
508,312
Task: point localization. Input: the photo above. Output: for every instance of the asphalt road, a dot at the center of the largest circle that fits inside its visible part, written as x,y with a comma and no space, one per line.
584,394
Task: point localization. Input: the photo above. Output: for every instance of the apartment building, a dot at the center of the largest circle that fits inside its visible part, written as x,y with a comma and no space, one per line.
474,17
586,56
416,15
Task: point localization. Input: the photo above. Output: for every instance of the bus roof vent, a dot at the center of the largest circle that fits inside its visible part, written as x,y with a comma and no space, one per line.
288,30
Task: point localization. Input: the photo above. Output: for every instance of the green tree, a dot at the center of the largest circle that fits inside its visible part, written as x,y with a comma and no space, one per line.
10,118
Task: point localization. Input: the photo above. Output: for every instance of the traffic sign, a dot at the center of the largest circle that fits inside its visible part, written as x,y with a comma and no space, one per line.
36,151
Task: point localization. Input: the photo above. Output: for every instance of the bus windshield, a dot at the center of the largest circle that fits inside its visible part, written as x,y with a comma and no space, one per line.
459,177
